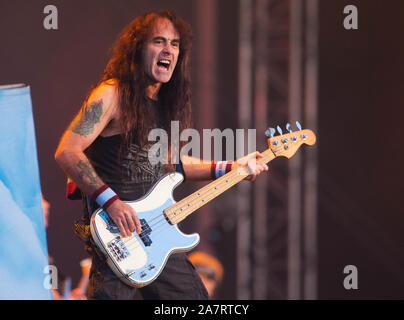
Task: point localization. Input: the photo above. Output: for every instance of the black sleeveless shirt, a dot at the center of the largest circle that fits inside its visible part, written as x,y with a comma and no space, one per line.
127,170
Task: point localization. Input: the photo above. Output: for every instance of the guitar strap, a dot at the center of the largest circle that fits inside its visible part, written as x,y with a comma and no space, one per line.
89,206
180,169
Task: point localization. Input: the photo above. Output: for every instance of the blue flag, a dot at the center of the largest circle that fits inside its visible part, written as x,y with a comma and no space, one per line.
23,254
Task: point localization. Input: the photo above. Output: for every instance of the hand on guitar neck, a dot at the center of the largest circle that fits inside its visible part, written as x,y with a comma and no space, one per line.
254,167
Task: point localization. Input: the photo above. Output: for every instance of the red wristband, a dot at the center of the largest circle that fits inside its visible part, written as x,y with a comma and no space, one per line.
110,201
213,170
220,168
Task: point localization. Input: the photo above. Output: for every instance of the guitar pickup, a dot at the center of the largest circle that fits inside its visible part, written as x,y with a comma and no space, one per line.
144,235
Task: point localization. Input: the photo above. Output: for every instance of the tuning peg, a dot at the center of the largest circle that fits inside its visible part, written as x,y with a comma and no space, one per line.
289,127
270,132
299,126
279,130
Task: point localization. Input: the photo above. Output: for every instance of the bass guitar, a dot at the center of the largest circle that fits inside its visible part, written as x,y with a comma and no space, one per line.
139,259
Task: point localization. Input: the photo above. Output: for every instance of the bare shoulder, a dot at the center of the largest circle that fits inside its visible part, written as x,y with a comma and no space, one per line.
107,94
95,116
100,107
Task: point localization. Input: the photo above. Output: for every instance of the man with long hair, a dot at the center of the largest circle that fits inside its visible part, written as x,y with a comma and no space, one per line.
145,85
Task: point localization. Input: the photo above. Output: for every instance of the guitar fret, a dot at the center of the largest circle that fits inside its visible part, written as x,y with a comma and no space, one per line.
196,200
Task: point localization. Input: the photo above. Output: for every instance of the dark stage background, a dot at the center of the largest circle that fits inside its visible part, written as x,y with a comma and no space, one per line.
361,88
360,214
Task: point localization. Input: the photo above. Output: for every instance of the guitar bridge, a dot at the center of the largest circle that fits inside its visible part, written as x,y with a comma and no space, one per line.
118,248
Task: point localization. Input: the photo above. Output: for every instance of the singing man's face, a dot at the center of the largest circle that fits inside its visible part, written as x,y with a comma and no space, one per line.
161,50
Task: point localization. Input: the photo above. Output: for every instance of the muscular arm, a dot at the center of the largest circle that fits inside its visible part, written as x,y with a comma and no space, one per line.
93,119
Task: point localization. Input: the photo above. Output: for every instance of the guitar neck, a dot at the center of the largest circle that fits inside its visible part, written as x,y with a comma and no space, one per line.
180,210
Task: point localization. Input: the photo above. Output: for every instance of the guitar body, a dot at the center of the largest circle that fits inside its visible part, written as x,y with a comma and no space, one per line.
139,259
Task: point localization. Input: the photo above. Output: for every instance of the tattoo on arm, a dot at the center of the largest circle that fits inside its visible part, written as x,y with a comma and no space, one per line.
87,173
91,115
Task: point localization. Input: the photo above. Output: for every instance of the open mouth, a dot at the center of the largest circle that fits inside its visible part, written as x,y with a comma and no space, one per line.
164,64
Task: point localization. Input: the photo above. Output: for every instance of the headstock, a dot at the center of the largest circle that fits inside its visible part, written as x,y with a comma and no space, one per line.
287,144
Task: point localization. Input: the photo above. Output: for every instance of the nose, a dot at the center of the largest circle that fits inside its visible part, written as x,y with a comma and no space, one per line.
166,52
168,49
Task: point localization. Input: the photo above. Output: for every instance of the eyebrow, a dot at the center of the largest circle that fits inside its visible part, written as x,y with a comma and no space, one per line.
164,39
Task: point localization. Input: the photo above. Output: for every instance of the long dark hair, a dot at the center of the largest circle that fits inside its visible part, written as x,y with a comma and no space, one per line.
125,66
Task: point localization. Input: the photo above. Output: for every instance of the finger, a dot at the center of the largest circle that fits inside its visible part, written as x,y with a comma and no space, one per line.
130,222
262,168
258,154
121,228
136,221
125,227
254,155
252,165
138,224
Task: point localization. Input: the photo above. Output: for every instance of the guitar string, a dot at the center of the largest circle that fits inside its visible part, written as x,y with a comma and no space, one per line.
205,194
195,203
191,203
155,227
192,200
133,239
